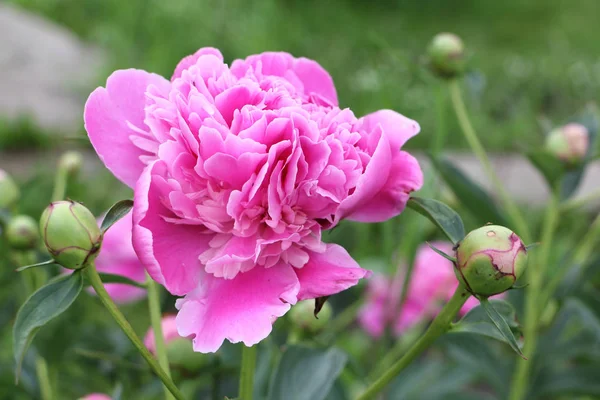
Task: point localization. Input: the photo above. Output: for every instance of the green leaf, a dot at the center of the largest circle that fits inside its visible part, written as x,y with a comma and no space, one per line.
41,264
502,325
570,182
548,165
112,278
116,212
477,321
576,380
441,253
45,304
474,198
306,373
441,215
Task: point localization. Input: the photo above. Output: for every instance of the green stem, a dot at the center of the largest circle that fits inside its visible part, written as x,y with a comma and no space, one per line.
533,305
437,143
159,339
60,184
41,369
471,137
438,327
247,372
98,286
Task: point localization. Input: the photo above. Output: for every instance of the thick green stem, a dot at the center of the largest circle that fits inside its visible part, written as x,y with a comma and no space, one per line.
437,144
533,305
471,137
41,369
438,327
60,184
98,286
159,339
247,372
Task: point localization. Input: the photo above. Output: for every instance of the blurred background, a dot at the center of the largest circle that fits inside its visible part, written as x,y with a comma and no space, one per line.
532,65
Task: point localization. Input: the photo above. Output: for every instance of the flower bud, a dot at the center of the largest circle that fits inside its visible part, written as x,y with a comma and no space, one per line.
302,315
447,55
490,259
71,234
569,143
71,162
22,232
9,191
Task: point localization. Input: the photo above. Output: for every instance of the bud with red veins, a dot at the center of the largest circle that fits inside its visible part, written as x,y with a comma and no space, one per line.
569,143
71,234
490,259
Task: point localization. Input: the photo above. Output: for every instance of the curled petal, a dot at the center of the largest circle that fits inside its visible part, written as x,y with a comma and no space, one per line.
188,61
242,309
395,126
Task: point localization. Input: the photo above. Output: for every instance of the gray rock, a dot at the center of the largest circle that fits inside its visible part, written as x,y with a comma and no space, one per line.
46,71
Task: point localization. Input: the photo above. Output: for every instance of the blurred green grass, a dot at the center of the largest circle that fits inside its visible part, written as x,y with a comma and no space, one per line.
531,59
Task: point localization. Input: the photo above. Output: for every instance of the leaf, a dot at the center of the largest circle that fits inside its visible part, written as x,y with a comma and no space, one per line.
549,166
116,212
441,215
441,253
570,182
45,304
575,380
475,199
41,264
503,327
306,373
113,278
477,321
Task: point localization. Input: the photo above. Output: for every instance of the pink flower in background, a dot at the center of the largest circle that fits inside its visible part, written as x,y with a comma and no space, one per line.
237,170
169,330
118,257
96,396
432,284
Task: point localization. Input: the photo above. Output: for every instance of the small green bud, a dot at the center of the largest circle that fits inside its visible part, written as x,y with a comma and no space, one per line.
447,55
490,259
71,234
181,353
302,315
71,162
22,232
569,143
9,191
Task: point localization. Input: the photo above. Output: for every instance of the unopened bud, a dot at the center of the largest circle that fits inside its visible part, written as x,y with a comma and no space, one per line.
302,315
9,191
71,234
71,162
447,55
490,259
22,232
569,143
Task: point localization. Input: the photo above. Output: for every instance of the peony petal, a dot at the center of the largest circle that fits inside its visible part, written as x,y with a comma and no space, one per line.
315,79
239,310
329,273
405,177
395,126
114,114
168,251
188,61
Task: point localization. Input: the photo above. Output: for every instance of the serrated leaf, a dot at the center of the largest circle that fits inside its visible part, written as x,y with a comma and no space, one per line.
116,212
441,215
45,304
113,278
477,321
474,198
502,325
306,373
41,264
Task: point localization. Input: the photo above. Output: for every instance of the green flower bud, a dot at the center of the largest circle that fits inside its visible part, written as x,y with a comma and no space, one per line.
569,143
9,191
71,234
181,353
490,259
22,232
302,315
447,55
71,162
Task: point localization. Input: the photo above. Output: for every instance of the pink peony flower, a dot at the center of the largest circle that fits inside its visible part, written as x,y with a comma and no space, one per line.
433,283
118,257
96,396
237,170
169,330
